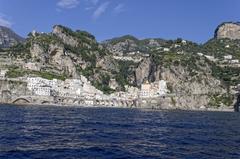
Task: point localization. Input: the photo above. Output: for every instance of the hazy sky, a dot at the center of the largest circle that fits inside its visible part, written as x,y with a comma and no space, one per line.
193,20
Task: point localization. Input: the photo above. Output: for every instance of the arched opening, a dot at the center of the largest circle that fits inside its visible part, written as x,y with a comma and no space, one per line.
45,102
20,101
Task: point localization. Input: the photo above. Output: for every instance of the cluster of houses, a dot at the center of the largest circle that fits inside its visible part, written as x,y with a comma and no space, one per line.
135,56
167,49
227,59
78,88
75,88
152,90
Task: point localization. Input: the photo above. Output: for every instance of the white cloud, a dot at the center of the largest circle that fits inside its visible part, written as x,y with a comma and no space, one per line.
119,8
92,2
100,10
89,8
5,21
68,4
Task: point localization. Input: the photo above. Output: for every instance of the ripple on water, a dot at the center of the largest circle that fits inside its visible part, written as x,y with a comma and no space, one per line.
56,132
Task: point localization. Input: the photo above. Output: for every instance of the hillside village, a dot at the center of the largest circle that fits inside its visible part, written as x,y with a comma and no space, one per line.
177,73
82,88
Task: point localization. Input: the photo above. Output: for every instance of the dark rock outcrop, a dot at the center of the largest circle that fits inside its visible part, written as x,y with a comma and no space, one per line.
237,104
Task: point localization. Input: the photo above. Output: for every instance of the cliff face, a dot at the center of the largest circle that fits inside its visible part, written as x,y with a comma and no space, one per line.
191,82
195,79
228,30
62,34
192,90
143,71
9,90
8,37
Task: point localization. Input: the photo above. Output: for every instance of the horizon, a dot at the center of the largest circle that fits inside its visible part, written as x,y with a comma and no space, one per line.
107,19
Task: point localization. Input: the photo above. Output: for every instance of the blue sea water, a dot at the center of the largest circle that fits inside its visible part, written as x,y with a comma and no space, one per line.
37,132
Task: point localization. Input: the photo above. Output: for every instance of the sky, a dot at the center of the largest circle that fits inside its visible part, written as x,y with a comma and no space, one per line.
193,20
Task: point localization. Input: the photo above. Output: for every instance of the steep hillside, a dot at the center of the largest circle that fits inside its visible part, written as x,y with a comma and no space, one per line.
8,37
199,72
185,66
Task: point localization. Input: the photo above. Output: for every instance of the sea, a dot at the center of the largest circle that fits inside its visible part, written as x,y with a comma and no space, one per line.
50,132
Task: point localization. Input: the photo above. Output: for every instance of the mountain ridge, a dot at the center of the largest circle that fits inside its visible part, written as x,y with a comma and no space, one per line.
197,71
8,37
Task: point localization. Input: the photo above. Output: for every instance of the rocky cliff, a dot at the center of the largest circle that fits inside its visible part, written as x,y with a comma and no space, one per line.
197,80
196,74
228,30
10,90
8,37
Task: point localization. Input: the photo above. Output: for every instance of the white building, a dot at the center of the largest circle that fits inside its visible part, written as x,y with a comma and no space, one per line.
113,84
72,87
180,52
211,58
163,88
184,42
234,61
145,90
155,89
34,33
177,45
3,73
43,91
228,57
132,92
166,49
39,86
32,66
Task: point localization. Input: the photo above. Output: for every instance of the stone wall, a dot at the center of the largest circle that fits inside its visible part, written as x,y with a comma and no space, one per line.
9,90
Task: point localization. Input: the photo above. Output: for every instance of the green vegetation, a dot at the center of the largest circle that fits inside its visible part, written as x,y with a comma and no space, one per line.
16,72
86,54
217,48
88,71
167,59
114,41
88,49
104,88
230,76
217,100
82,36
44,40
103,84
133,44
20,51
125,71
49,75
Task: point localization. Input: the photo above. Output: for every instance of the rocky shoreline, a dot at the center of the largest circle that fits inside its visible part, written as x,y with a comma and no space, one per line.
223,109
